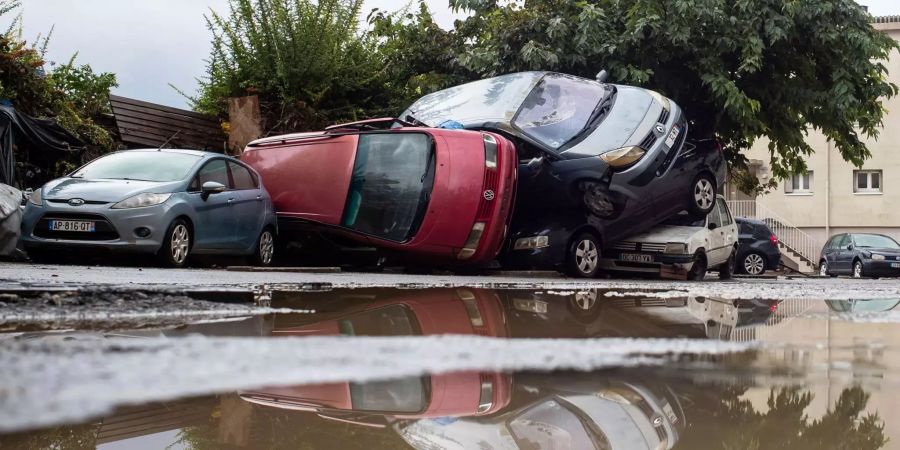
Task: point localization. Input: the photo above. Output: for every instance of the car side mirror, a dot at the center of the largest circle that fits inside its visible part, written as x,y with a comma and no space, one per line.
712,226
209,188
850,247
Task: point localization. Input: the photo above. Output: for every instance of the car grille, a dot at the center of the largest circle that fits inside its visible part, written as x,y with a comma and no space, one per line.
86,202
105,230
648,141
490,183
637,303
664,116
640,247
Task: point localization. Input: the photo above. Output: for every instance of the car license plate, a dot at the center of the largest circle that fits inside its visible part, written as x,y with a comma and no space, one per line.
632,257
673,135
80,226
895,265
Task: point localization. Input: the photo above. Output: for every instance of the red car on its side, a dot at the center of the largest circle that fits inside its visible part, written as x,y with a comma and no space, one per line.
443,194
376,312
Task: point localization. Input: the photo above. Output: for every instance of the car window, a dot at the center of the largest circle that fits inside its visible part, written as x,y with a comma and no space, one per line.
724,214
844,241
713,218
215,170
874,241
558,109
243,178
684,219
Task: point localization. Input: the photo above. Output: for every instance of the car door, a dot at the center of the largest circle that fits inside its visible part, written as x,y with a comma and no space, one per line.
728,228
248,205
216,218
715,238
842,256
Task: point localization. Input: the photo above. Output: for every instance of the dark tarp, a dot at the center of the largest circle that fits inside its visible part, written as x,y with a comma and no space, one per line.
29,147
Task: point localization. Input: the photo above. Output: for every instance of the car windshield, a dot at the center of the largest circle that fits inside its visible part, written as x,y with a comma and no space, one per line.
394,320
551,425
683,219
403,395
875,241
140,166
559,109
390,186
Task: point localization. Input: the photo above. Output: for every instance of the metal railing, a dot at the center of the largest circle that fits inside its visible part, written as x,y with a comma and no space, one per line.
789,235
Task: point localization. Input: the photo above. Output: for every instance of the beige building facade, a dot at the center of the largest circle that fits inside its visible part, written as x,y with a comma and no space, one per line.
835,197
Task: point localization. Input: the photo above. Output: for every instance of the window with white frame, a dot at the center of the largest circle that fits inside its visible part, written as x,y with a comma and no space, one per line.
800,183
867,181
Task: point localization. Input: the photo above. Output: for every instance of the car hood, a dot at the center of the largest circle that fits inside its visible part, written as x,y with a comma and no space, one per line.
106,191
666,233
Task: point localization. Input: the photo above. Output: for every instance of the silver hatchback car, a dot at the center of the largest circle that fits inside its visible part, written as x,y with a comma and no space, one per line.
169,203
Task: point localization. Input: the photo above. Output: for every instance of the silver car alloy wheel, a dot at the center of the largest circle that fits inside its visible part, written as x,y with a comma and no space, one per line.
181,243
266,247
586,256
823,269
585,300
754,264
703,194
857,270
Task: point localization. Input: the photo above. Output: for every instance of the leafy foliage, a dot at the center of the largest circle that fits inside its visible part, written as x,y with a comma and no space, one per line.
74,95
743,69
312,67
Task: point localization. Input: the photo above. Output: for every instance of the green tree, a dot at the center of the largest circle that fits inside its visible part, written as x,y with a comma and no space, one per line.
742,69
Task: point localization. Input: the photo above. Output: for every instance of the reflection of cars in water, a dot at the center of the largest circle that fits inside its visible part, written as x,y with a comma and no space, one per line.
597,161
563,412
168,203
377,312
393,189
688,244
758,250
862,306
860,255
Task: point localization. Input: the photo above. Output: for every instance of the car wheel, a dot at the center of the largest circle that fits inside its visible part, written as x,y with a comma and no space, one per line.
703,195
176,246
754,264
698,269
823,268
858,269
265,249
583,259
585,305
727,269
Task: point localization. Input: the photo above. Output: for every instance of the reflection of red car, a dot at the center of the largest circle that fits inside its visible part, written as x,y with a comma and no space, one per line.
425,312
438,193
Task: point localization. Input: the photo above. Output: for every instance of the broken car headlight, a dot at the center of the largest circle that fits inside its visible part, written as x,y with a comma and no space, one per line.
471,245
675,248
533,242
623,157
142,201
35,198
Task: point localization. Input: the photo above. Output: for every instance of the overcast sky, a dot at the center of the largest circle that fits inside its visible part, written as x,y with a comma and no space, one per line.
151,43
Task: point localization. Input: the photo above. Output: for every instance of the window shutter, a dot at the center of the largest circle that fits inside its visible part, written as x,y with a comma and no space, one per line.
809,187
789,185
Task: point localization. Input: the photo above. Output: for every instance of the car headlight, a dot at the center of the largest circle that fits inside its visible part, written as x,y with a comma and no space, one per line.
490,152
662,100
142,201
676,248
471,245
36,198
623,157
878,257
533,242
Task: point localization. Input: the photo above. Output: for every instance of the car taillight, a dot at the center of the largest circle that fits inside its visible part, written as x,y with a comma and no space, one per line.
774,239
471,245
490,152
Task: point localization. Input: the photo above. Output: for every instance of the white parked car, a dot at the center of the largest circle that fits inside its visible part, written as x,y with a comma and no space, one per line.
682,245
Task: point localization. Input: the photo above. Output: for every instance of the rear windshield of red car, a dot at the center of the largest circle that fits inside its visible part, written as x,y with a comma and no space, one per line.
391,185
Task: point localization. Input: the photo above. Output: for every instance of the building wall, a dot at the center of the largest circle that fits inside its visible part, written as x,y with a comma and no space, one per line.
833,177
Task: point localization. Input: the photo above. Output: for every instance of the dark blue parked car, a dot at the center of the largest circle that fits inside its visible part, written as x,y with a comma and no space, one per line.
860,255
758,247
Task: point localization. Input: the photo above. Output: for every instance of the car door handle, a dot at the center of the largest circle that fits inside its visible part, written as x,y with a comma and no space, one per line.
259,198
231,200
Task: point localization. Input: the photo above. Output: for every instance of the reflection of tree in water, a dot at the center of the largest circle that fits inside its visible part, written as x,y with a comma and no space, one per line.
720,418
61,438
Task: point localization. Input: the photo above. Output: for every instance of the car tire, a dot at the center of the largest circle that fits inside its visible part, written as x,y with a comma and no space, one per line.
727,269
265,249
698,269
858,271
176,246
823,269
702,195
754,264
583,256
585,306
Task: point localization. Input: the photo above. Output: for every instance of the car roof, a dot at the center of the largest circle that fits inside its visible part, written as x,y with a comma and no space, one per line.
175,150
749,220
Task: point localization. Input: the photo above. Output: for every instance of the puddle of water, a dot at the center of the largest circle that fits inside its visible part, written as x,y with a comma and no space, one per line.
653,371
